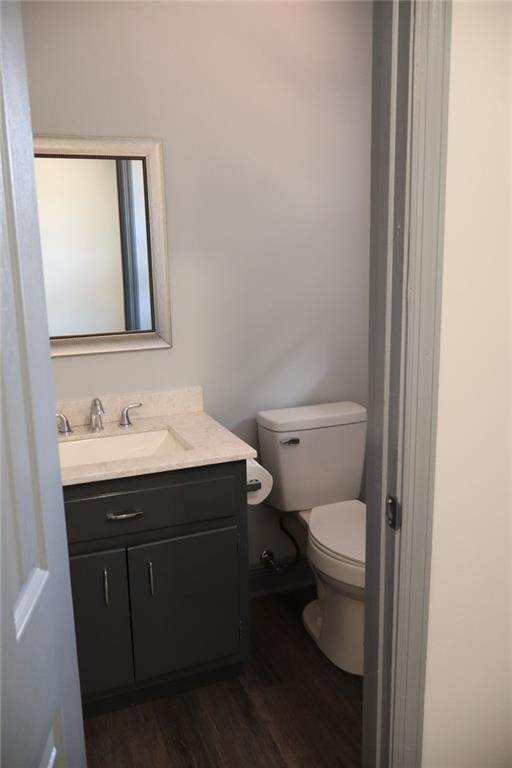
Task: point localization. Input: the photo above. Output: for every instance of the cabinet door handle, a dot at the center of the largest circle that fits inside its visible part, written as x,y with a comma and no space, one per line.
105,587
151,580
114,516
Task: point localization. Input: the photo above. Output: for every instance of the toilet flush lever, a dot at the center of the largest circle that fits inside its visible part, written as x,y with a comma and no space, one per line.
291,441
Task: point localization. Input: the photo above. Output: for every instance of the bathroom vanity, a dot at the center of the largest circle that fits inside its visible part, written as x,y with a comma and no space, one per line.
158,557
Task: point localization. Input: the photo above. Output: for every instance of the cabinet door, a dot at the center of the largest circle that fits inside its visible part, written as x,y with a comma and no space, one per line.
185,601
102,620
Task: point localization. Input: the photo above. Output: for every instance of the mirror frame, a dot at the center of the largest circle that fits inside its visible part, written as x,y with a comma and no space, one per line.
150,150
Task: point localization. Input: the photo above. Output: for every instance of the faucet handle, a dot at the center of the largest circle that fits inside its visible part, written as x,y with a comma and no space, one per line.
125,415
63,424
97,406
97,412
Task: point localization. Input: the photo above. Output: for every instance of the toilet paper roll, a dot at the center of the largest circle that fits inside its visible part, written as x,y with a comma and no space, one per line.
262,481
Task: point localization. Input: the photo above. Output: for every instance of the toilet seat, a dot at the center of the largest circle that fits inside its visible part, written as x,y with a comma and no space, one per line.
340,530
336,541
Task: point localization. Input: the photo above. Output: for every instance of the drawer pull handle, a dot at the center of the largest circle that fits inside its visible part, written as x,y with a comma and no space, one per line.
151,580
105,587
114,516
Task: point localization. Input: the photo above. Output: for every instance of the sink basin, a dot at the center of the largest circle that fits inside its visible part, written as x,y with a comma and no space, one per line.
138,445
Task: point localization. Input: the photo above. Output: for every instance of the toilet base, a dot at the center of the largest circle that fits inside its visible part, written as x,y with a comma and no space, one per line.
312,619
336,624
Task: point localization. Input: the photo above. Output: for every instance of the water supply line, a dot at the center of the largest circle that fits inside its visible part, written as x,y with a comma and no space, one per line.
267,556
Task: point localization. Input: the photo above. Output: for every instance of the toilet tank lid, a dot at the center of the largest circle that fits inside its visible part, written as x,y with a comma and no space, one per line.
312,416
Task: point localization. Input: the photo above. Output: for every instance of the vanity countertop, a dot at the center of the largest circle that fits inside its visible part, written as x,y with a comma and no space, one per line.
205,441
209,441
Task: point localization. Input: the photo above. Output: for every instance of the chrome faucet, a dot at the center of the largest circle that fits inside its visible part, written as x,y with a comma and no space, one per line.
125,415
97,412
63,424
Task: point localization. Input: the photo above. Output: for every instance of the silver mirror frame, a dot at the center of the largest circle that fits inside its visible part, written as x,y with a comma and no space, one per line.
151,151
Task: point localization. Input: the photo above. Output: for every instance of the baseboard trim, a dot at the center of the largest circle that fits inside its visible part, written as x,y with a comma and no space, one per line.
263,580
159,690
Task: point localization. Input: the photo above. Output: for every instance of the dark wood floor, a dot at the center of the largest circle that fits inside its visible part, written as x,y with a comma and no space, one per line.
289,708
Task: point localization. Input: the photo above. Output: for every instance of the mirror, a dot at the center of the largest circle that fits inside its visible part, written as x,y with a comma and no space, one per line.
101,218
92,217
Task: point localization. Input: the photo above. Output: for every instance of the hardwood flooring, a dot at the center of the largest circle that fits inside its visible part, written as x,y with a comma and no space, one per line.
289,708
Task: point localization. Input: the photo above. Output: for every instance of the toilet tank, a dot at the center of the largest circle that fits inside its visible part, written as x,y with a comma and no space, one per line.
315,453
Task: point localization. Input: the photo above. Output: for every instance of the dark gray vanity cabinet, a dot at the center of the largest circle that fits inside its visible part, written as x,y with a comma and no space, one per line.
102,620
159,576
184,595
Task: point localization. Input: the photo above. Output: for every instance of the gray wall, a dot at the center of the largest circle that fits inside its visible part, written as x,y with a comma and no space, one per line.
264,111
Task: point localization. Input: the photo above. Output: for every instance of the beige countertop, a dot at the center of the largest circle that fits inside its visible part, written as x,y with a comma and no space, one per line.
205,442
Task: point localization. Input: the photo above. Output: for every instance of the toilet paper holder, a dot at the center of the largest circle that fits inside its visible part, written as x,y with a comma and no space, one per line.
258,483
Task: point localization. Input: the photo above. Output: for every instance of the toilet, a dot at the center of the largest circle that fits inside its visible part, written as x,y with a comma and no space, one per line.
315,454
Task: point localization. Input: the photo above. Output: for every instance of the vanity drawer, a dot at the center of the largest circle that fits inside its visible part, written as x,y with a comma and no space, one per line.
157,501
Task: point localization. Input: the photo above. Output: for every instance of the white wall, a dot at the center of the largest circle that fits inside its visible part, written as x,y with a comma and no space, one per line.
264,111
81,245
468,716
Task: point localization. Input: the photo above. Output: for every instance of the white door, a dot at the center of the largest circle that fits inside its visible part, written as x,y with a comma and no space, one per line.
40,707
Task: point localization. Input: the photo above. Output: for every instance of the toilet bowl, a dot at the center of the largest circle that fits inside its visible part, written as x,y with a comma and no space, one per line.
336,553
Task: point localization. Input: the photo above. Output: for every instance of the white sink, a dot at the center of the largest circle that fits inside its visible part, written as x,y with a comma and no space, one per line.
135,445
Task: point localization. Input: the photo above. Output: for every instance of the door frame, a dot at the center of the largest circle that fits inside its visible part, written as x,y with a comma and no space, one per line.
411,51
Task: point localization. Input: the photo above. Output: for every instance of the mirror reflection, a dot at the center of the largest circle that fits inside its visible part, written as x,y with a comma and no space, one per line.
95,244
